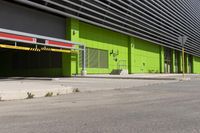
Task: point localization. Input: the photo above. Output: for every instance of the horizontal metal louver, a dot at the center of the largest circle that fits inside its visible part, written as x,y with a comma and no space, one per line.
158,21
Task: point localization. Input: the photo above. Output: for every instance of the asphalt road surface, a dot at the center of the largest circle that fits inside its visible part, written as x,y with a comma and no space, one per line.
161,108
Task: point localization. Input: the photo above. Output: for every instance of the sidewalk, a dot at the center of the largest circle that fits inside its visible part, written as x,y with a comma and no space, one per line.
107,82
18,87
143,76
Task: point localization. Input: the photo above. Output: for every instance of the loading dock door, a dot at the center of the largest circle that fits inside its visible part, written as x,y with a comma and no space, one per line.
25,19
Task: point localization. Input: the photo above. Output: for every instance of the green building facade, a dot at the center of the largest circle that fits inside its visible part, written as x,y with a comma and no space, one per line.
106,51
120,52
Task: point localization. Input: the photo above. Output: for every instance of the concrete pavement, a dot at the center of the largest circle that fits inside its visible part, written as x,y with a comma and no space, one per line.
159,108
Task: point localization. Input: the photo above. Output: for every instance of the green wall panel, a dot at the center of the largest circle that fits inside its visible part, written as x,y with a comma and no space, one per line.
69,60
131,55
146,57
196,64
99,38
162,60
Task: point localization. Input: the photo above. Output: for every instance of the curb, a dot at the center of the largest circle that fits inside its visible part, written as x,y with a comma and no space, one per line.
140,78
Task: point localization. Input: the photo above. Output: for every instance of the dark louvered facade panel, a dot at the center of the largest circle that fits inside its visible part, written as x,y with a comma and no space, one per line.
158,21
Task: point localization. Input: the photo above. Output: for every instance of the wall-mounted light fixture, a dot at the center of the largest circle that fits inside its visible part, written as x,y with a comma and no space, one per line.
74,32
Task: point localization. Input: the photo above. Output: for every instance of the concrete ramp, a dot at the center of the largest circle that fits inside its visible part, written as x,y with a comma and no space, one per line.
119,72
10,90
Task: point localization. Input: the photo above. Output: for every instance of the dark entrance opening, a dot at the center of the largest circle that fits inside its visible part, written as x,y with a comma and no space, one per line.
176,62
190,64
29,63
168,60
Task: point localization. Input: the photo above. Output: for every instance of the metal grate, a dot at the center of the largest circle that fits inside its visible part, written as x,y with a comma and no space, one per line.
103,60
95,58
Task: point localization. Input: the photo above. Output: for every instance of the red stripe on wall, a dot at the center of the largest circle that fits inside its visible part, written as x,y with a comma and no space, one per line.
17,37
60,43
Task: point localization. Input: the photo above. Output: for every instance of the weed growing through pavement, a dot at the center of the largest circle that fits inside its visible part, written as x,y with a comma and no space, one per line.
30,95
76,90
49,94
